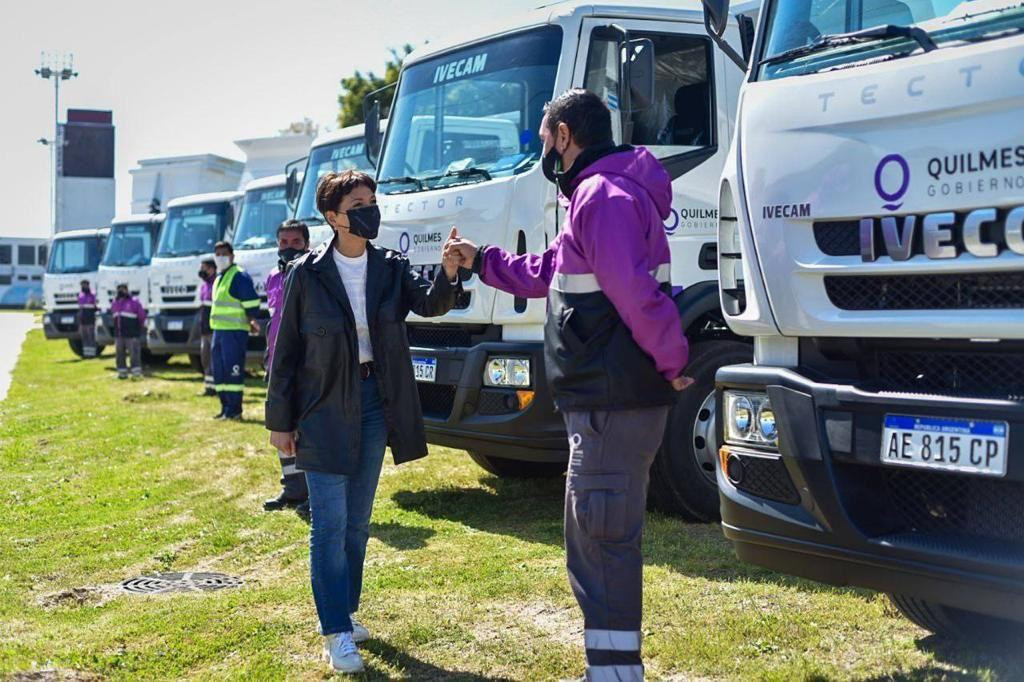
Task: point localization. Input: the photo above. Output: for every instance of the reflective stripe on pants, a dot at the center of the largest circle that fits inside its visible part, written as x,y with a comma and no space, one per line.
228,354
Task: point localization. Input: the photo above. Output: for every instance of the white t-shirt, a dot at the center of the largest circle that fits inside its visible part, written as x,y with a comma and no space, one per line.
353,276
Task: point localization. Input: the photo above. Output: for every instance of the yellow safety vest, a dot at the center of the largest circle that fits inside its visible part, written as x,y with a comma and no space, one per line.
228,312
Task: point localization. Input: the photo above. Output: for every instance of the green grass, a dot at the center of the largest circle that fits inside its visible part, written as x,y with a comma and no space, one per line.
103,480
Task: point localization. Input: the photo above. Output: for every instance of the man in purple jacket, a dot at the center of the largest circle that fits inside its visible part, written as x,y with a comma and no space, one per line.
87,319
129,321
292,242
614,355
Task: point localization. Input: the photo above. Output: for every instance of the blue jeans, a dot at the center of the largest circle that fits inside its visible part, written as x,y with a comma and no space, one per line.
341,507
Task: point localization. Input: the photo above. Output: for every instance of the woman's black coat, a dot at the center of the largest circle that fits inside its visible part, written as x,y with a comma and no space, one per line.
315,382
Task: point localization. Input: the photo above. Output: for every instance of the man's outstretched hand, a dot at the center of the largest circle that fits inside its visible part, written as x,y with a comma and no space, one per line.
681,382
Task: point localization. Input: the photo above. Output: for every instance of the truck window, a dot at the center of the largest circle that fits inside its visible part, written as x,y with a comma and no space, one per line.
129,245
262,211
681,116
74,256
333,158
193,230
471,114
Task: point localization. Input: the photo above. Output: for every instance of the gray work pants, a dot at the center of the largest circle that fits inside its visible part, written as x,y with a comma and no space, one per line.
88,333
132,347
205,346
605,499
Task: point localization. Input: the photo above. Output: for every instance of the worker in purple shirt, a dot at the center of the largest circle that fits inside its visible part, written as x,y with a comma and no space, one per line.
129,321
87,319
614,356
207,273
292,242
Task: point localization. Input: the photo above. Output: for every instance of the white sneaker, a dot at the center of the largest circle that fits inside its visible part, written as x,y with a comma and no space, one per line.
341,652
359,632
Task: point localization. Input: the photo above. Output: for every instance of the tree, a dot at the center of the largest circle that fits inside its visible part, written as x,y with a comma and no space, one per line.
355,87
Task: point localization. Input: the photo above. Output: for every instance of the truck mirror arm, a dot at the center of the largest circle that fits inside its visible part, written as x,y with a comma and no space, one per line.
723,44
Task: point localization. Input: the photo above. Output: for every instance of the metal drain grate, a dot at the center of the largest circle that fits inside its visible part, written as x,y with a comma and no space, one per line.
180,582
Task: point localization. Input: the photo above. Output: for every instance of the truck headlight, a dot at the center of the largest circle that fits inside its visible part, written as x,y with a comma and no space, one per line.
507,372
750,419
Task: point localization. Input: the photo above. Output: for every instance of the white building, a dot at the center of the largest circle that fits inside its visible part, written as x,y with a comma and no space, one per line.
157,181
22,264
266,156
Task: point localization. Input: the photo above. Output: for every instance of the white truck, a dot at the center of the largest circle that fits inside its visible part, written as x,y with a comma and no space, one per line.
462,149
872,244
192,226
332,152
74,256
129,250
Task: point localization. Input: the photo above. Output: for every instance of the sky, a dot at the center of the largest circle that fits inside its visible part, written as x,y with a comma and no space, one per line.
192,76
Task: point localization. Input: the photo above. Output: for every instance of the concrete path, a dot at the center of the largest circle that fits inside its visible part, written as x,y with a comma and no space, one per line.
13,328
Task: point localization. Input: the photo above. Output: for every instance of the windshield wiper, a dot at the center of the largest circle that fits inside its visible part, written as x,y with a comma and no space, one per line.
463,173
918,35
403,180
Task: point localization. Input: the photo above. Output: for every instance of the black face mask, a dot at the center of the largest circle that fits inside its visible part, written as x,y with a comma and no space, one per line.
286,256
85,290
551,164
364,221
122,294
205,275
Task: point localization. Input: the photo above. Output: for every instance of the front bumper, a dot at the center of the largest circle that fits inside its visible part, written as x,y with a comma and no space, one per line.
827,509
170,331
61,324
460,412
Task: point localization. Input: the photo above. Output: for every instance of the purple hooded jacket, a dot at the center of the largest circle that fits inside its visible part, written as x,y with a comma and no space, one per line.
275,302
613,242
129,317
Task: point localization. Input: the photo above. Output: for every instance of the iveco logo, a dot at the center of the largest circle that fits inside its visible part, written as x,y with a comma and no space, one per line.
983,233
892,178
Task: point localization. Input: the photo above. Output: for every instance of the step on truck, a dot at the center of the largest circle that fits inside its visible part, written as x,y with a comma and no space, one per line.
74,256
126,257
871,243
193,225
462,149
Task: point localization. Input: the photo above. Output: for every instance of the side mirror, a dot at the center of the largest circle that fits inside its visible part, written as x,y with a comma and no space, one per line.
716,16
371,129
639,72
292,184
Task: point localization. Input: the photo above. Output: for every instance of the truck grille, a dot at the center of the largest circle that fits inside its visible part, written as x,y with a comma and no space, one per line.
885,501
838,237
968,374
66,299
436,400
968,291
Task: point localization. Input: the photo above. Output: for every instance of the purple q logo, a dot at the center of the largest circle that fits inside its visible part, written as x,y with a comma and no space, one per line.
892,197
403,243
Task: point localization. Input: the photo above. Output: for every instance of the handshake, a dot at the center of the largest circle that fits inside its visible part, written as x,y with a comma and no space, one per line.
458,253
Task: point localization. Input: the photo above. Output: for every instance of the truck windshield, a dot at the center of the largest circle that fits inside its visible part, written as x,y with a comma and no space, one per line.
329,158
800,34
130,244
262,211
193,230
471,114
73,255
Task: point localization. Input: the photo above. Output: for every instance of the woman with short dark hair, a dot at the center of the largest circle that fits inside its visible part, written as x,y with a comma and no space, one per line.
342,389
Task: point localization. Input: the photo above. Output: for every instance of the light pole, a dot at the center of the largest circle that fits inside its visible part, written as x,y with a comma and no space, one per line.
57,67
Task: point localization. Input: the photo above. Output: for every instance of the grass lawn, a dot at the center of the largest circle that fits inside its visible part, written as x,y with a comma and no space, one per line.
102,480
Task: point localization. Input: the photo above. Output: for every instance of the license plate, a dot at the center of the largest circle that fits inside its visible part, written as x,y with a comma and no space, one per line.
963,445
424,369
175,325
67,319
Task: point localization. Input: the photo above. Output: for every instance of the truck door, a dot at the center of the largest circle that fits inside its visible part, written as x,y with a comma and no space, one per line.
686,125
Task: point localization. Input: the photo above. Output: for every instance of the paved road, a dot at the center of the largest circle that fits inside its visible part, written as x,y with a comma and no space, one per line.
13,328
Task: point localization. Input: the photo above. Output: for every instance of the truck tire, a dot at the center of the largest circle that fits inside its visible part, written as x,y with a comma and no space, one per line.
196,362
954,623
76,347
683,476
150,358
514,468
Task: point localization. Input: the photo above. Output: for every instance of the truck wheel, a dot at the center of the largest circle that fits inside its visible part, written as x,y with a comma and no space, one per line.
76,347
514,468
196,361
947,621
683,478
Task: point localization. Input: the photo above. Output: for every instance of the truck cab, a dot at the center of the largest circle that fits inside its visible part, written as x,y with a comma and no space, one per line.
331,152
74,256
462,148
126,258
871,244
192,226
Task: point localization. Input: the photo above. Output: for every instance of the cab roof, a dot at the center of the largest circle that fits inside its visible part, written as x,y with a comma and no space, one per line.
268,181
208,198
72,234
347,133
130,218
553,13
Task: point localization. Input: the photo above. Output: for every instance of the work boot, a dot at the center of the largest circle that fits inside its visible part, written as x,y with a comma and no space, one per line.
210,392
281,502
304,512
219,415
236,417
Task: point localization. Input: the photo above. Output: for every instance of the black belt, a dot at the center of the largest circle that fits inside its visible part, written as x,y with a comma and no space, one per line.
365,370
